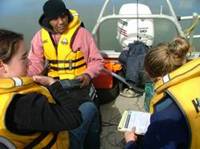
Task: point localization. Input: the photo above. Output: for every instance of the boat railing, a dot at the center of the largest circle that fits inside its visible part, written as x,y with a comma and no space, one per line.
172,18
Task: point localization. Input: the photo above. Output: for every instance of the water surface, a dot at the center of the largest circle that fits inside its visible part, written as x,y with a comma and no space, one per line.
22,16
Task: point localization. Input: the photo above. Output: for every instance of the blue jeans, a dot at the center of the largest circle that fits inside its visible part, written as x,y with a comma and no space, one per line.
88,134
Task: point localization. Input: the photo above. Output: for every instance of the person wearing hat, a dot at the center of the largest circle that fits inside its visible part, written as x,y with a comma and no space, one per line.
71,53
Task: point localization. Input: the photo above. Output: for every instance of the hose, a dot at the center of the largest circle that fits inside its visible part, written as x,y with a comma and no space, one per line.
121,79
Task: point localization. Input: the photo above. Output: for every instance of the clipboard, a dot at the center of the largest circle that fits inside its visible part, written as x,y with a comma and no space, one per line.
134,119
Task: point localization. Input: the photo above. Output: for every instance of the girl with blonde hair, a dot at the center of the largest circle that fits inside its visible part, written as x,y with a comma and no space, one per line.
175,110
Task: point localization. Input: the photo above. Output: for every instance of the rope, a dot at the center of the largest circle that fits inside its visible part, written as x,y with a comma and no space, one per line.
137,19
188,31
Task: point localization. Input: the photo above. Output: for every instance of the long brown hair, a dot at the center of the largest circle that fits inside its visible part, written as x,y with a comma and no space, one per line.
9,42
166,57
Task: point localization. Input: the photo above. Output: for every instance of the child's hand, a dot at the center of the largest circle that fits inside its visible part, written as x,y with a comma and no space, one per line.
44,80
130,136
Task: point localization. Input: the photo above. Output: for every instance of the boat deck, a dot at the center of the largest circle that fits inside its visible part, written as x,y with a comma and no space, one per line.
111,115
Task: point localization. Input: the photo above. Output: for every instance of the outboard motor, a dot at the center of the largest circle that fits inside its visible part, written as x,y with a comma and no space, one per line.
130,30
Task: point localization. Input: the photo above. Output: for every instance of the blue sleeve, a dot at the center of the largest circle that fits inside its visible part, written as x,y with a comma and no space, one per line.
167,130
131,145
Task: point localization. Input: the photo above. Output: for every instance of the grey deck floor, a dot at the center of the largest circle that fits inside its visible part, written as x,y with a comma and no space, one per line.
111,113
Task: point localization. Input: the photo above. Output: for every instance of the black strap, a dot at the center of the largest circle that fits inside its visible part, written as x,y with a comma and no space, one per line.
36,141
66,68
65,61
51,143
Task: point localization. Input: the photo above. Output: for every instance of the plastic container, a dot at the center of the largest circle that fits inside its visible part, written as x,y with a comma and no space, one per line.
149,92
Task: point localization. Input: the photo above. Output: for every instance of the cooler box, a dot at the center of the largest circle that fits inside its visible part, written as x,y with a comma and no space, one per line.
105,80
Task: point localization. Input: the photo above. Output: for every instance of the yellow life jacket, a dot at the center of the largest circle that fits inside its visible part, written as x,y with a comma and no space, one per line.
63,61
9,87
183,86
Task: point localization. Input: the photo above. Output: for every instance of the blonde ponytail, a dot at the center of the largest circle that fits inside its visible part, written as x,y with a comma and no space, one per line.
166,57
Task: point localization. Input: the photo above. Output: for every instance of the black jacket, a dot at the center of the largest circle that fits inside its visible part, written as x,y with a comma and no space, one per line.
132,61
32,112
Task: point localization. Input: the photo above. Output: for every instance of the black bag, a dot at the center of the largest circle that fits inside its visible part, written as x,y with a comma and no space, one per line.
132,61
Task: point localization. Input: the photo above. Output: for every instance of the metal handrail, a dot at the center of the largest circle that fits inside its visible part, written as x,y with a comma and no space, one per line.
155,16
173,18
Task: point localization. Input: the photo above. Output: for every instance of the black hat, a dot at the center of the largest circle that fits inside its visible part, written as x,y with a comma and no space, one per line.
54,8
51,10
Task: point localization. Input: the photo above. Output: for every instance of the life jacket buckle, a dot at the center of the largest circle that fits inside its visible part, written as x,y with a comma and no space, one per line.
70,64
